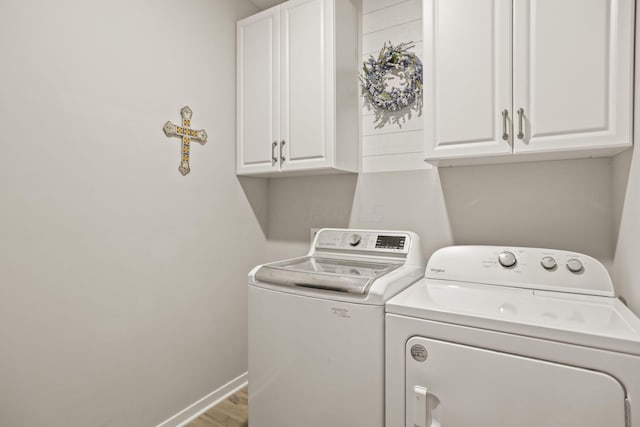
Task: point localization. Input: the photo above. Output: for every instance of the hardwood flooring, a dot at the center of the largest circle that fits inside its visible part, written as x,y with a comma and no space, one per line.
232,412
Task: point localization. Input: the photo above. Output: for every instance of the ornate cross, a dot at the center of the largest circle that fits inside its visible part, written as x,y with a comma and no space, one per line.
187,135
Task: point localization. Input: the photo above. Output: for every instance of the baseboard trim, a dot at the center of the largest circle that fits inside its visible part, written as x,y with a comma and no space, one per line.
198,408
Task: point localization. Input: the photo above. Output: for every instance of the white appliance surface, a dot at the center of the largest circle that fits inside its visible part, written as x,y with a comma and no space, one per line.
316,329
522,337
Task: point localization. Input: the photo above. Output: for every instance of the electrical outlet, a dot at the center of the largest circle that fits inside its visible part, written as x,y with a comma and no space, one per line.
312,233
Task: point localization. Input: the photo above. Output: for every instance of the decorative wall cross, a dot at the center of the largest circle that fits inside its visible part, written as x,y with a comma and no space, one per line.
187,135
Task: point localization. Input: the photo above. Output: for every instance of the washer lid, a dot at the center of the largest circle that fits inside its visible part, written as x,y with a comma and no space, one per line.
340,275
593,321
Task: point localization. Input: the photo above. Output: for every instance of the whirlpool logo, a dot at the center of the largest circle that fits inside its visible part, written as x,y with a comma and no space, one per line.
437,270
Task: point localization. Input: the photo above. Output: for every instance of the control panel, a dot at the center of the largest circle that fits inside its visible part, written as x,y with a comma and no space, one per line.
508,259
531,268
350,240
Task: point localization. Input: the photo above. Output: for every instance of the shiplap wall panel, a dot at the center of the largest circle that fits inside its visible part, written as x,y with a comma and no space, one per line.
417,50
392,147
369,6
369,126
411,142
410,31
401,13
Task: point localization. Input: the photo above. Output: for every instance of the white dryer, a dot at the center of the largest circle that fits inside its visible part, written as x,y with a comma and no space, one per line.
511,337
316,329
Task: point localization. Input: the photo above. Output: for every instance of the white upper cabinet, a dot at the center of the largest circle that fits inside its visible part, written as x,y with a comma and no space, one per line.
297,89
307,84
565,93
258,83
573,67
467,78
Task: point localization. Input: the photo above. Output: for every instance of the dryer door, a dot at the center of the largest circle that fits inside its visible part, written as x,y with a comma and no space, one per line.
453,385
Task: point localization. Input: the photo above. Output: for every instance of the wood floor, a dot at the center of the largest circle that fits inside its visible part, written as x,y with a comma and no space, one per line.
233,412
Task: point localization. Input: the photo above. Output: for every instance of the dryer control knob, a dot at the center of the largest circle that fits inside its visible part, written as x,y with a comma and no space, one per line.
575,266
548,263
507,259
355,239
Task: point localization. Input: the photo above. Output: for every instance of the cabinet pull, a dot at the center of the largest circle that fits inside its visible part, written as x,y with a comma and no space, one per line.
282,157
505,119
521,123
273,152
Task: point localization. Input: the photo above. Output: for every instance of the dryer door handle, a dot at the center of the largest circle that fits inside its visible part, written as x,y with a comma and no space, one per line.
420,406
422,416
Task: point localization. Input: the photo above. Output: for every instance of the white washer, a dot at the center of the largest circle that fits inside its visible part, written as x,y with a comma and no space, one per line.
316,329
505,337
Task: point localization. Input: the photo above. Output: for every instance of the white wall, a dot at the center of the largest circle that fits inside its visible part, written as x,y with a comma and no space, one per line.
122,283
627,208
559,204
627,192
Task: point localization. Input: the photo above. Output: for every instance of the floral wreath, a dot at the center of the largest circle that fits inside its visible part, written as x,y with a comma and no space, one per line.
405,64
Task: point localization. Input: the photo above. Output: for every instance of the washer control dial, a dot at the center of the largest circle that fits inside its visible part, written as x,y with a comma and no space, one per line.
355,240
507,259
574,265
548,263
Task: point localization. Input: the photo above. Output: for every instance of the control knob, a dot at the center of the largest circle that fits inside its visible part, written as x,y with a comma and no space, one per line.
355,239
507,259
548,263
574,265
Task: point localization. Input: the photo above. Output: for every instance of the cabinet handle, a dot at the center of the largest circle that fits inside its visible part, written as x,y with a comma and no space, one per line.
521,123
273,152
505,119
282,157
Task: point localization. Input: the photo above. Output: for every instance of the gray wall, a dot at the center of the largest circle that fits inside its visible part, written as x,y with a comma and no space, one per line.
627,231
558,204
627,209
122,283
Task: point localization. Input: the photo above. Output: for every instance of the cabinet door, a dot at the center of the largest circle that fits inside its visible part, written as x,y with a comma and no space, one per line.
572,74
467,78
258,93
307,84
